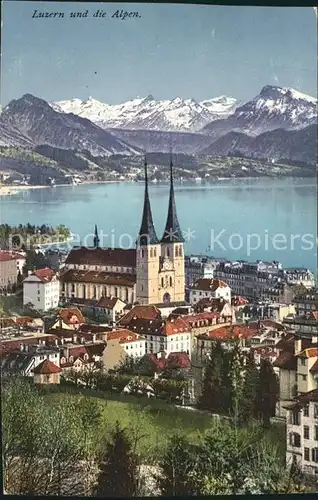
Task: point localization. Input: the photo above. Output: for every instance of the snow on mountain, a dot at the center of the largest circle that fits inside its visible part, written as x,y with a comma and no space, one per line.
274,107
180,115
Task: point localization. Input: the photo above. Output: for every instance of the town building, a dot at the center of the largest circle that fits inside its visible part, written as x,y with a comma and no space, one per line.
109,308
47,373
210,289
9,263
133,344
306,301
302,432
152,273
24,361
299,276
197,267
41,289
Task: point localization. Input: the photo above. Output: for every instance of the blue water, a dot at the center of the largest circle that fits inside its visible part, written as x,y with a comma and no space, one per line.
259,209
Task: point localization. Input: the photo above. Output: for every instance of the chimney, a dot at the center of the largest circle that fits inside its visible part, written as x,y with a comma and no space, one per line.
94,338
26,348
74,339
62,340
56,342
29,273
21,347
297,346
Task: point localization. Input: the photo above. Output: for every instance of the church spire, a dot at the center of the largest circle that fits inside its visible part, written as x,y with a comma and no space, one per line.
147,234
172,232
96,238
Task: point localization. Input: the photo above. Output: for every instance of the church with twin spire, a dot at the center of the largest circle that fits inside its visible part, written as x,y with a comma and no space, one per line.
151,273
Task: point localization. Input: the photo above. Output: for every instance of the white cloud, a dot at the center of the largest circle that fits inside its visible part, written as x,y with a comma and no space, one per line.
213,34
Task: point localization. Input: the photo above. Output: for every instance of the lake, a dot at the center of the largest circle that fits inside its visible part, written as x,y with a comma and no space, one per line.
266,219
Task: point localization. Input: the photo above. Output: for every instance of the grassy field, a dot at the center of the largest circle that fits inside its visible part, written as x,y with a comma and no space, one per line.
153,421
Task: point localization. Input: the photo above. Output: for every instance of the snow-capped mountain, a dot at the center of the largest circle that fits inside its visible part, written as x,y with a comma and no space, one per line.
31,121
179,115
274,107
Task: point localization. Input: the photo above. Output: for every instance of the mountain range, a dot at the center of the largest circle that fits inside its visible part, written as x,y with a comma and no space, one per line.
277,123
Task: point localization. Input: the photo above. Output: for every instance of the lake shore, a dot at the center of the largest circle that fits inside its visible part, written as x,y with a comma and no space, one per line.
11,189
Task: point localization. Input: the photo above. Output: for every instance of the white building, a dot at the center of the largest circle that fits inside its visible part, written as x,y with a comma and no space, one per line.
209,288
29,357
41,289
133,344
111,307
302,433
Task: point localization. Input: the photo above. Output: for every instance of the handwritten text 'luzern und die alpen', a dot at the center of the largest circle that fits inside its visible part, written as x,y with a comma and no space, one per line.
119,14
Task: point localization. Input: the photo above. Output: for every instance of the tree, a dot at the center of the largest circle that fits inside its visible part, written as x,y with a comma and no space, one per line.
176,468
118,467
268,392
248,404
212,397
234,375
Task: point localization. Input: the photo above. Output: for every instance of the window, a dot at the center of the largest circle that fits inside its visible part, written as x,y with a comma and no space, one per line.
170,281
294,439
315,411
295,420
162,282
306,432
314,454
304,377
302,361
306,411
151,252
316,432
306,454
39,299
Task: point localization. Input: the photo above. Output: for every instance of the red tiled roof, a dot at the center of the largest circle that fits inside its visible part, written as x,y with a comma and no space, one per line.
141,312
107,302
6,256
174,326
102,257
45,275
71,315
124,336
46,368
314,368
208,284
230,332
286,361
215,305
311,352
14,345
315,314
99,277
239,301
23,320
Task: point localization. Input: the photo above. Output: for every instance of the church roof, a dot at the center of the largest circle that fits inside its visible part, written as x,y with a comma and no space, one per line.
102,256
147,234
172,232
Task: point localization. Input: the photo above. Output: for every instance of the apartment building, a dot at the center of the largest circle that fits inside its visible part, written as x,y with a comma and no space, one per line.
42,289
302,433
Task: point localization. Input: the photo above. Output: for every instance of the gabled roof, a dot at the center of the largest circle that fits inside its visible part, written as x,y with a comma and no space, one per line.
286,361
45,275
67,314
311,352
46,368
124,336
108,302
141,312
102,257
208,284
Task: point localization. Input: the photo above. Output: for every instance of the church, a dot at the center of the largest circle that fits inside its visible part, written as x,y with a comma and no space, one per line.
151,273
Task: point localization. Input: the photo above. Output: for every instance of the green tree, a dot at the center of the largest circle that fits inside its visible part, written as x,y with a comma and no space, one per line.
118,467
268,392
176,468
212,397
250,390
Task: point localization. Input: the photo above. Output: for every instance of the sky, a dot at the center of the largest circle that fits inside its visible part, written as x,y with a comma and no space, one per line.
187,51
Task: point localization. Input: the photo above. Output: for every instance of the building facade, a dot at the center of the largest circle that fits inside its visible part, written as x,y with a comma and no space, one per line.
8,270
206,288
302,433
42,289
152,273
